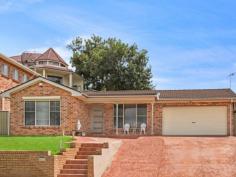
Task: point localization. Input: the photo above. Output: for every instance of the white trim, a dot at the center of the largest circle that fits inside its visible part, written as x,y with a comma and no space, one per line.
152,118
117,119
35,98
35,113
31,82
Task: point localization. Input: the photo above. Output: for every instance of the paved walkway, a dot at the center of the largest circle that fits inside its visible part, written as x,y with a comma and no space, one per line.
175,157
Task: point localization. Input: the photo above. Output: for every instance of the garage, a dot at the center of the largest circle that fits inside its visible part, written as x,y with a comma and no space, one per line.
195,120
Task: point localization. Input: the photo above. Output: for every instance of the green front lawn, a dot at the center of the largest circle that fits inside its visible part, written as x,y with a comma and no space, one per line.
34,143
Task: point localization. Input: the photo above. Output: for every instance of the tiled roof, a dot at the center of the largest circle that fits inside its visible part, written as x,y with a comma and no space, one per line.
170,94
51,54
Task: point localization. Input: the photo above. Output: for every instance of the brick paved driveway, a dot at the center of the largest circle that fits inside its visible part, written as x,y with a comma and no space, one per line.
175,157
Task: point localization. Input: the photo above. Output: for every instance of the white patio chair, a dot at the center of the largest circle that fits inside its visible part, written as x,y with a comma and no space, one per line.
126,128
143,127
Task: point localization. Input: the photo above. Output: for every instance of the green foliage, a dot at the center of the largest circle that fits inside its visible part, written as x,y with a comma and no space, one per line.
34,143
110,64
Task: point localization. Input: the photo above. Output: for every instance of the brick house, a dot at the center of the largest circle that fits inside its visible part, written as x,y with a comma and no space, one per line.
11,74
43,107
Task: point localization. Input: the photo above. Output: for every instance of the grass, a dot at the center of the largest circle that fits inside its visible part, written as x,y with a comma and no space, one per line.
34,143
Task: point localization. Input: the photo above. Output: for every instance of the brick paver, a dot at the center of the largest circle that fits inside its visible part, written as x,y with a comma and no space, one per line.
175,157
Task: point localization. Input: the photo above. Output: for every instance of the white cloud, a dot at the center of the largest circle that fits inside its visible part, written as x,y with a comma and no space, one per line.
16,5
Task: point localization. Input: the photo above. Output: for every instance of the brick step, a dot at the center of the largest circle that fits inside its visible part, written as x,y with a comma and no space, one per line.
75,166
89,153
94,145
77,161
81,157
74,171
72,175
89,148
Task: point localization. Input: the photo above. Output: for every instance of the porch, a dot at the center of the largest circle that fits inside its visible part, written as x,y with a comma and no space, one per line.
110,119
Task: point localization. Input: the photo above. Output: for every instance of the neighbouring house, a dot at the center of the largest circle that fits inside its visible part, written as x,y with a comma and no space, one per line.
52,66
11,74
42,107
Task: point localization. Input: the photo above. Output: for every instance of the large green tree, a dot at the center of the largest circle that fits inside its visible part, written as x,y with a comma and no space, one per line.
110,64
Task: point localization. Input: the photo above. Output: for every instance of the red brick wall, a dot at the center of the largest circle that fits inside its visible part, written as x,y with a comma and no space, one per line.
26,164
72,109
159,108
9,82
33,164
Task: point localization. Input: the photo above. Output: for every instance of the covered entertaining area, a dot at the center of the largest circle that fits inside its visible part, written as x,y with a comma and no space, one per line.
122,112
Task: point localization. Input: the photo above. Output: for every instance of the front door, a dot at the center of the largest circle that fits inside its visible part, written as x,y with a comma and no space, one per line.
97,119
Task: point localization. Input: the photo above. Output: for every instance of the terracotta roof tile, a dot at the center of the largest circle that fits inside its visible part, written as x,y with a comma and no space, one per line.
170,94
51,54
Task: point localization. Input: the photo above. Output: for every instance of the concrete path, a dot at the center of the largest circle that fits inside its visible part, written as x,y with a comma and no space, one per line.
175,157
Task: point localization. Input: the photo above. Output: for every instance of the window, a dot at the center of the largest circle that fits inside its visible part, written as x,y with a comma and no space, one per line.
54,113
120,116
141,114
42,62
5,70
133,114
15,74
42,113
30,113
130,114
53,63
24,78
56,79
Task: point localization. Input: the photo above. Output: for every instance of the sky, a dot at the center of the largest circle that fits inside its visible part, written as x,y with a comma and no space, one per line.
190,44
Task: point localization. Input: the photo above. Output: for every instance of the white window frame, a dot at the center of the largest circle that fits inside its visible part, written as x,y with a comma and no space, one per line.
35,118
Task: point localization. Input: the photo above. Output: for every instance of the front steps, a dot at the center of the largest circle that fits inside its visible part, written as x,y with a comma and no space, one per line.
78,167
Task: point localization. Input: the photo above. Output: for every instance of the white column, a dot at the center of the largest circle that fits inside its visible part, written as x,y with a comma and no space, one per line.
117,131
70,80
231,119
152,119
44,73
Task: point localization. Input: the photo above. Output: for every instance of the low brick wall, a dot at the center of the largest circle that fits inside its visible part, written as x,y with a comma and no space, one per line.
26,164
33,163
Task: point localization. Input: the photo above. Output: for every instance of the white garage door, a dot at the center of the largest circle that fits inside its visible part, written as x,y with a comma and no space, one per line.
202,120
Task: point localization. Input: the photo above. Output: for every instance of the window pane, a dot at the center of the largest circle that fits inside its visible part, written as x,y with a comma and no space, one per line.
25,78
55,113
130,115
5,69
120,116
30,106
42,113
142,109
29,113
54,118
29,118
141,119
55,106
